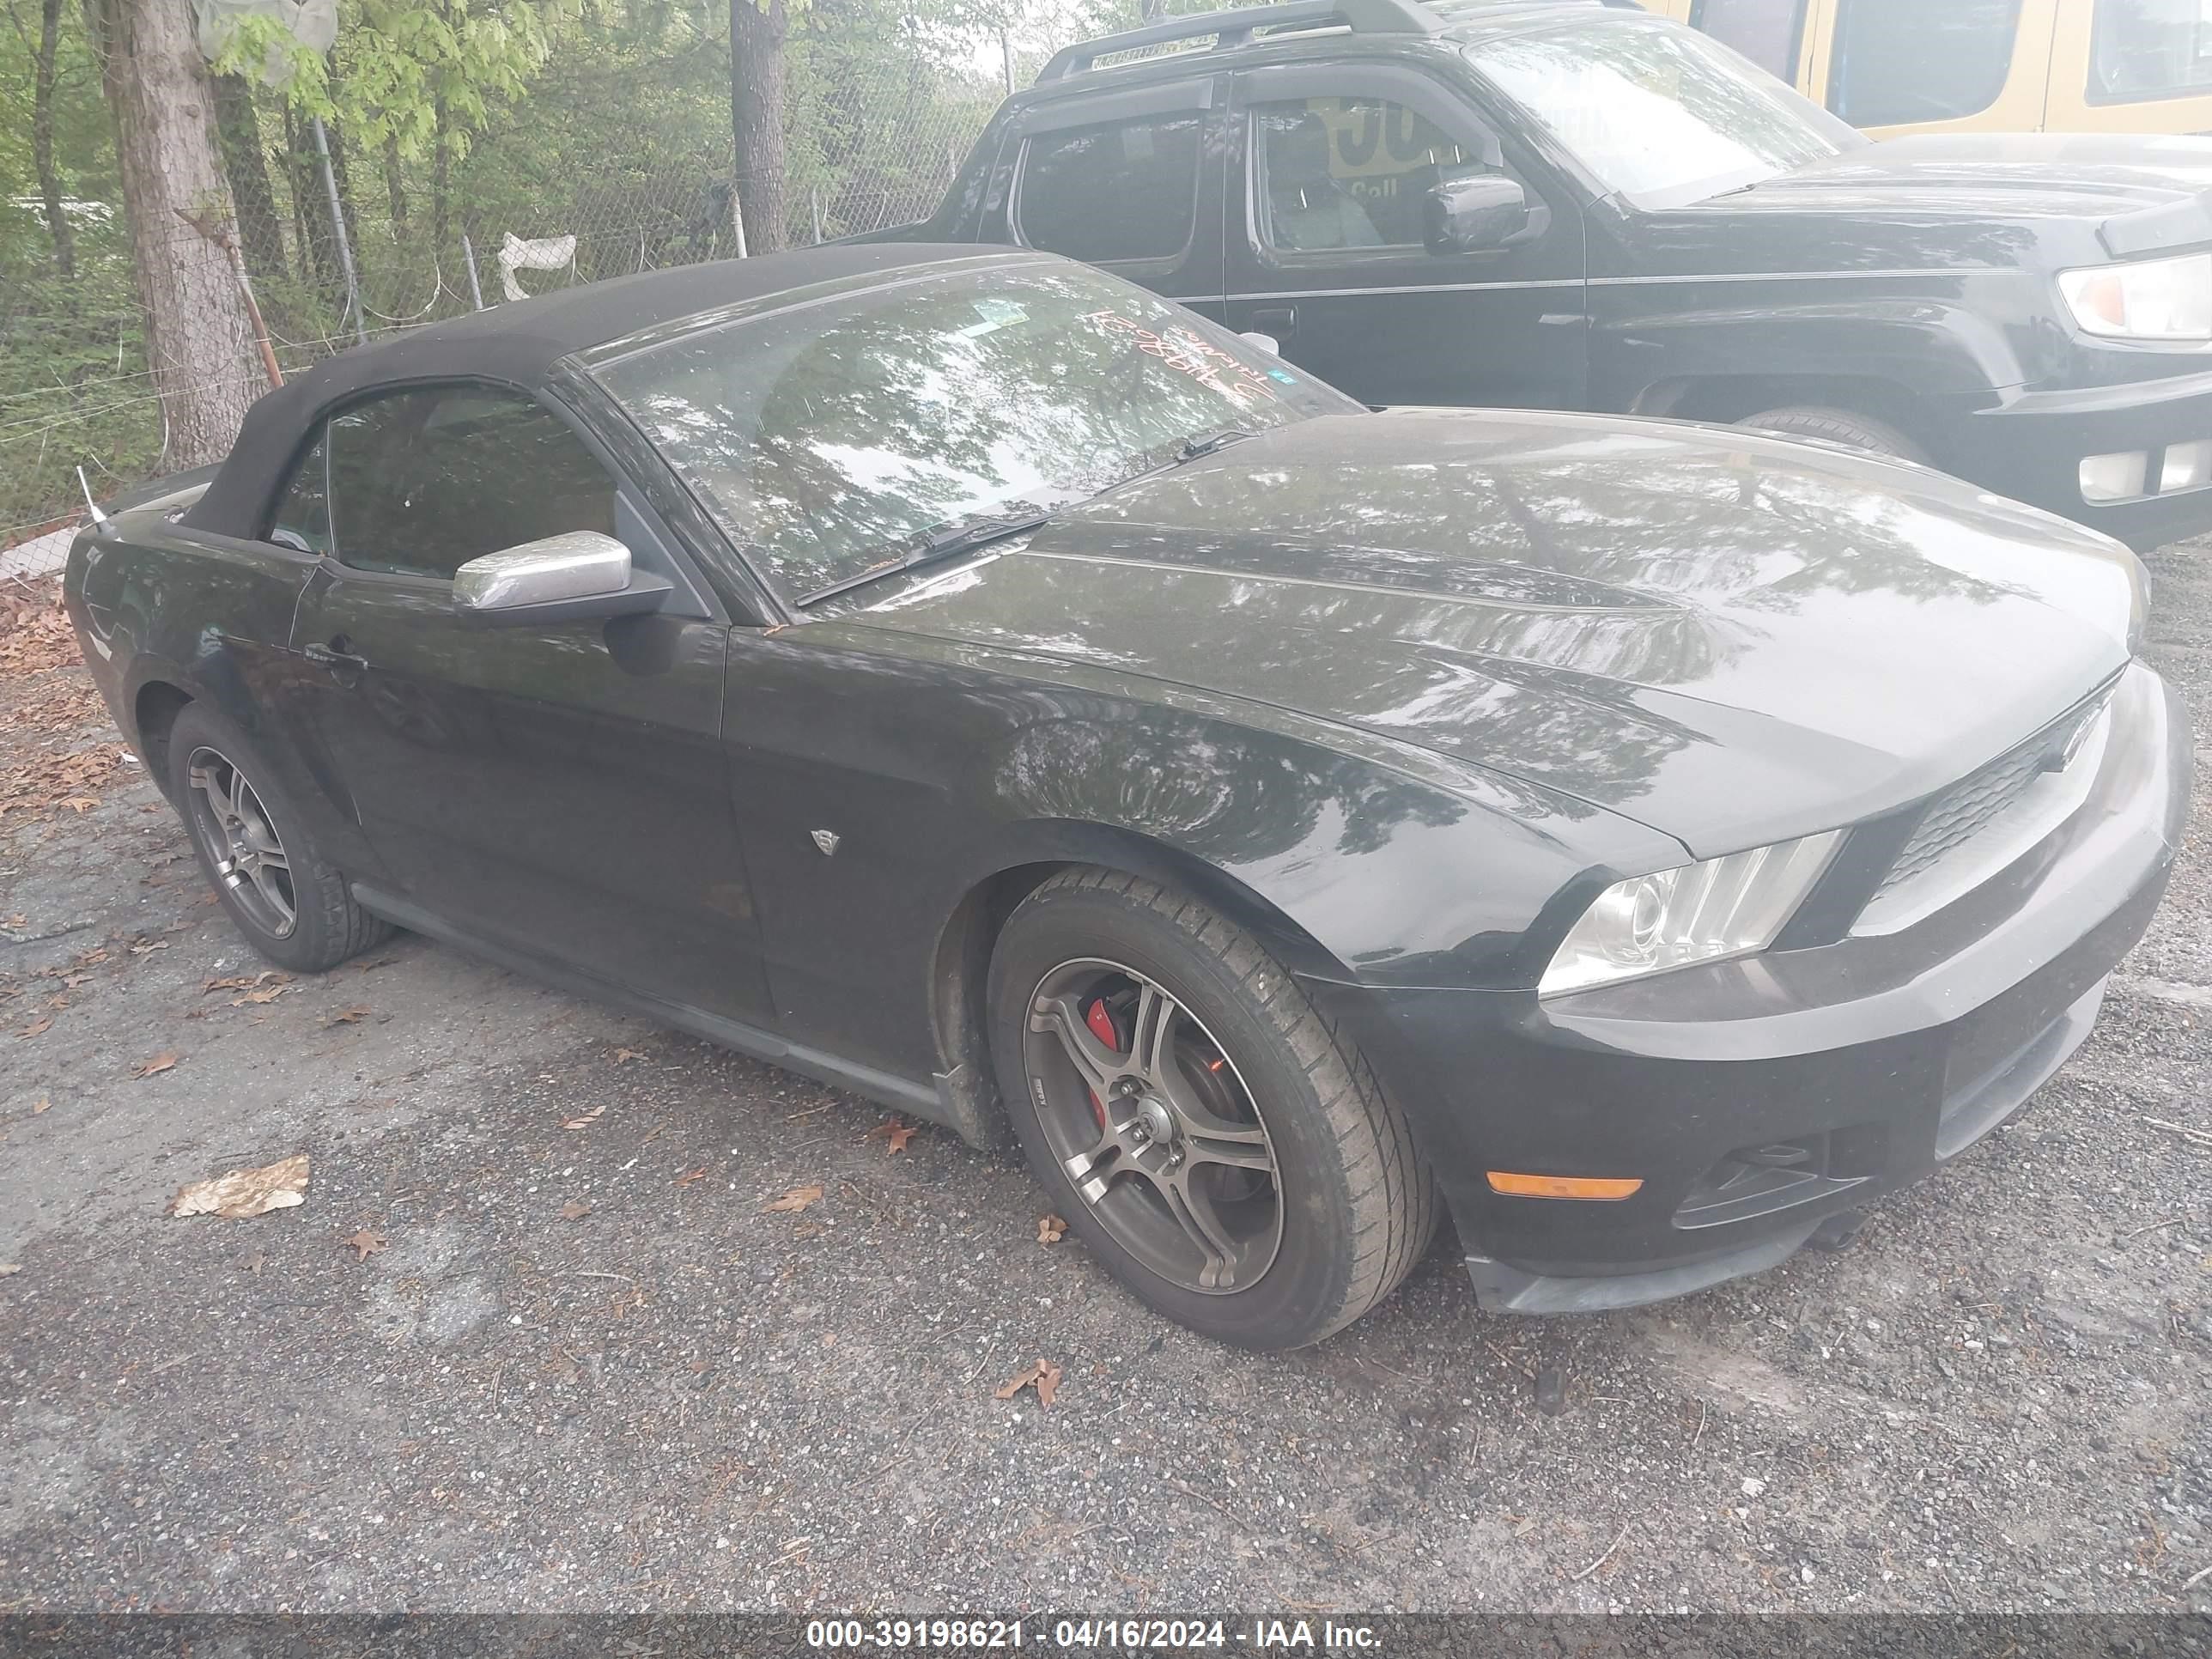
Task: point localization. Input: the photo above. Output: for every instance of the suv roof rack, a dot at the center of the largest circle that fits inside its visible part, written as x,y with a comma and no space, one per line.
1236,28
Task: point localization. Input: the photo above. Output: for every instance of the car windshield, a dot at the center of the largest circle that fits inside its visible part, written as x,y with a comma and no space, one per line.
1661,116
827,437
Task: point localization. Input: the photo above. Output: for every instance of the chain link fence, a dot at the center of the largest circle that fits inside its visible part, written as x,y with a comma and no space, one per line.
341,256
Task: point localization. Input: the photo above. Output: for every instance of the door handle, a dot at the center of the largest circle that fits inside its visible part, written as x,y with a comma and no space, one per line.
345,667
1281,321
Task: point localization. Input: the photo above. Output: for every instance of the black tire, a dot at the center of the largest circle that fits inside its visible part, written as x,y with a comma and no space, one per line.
1842,426
1355,1206
326,925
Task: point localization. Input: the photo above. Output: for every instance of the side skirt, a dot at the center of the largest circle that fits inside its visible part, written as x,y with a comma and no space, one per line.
930,1101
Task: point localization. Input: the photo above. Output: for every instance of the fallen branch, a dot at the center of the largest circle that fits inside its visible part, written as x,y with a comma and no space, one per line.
1602,1560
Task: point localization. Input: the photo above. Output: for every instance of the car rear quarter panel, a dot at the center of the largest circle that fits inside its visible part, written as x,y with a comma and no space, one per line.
157,604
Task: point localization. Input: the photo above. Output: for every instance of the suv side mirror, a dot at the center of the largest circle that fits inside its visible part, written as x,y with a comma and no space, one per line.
556,579
1473,213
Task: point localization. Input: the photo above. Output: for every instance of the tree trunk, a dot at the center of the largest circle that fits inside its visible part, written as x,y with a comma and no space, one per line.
246,163
441,180
311,207
757,32
196,339
42,139
395,187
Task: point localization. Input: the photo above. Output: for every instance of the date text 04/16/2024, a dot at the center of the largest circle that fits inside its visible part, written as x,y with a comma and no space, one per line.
1164,1635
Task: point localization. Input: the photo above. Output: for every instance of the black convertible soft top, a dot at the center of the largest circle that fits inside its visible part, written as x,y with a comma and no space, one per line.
518,344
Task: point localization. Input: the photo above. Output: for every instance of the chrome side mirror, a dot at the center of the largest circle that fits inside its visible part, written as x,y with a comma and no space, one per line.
580,564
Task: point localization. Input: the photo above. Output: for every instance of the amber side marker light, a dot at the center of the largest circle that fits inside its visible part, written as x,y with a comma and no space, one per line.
1604,1188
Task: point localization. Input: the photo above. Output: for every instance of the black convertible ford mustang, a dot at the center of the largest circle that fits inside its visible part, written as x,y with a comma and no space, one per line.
970,679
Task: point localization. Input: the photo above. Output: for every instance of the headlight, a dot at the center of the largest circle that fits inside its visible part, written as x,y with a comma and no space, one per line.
1697,913
2151,299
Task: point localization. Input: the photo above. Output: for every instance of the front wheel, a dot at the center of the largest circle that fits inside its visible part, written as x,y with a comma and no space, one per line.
1843,426
1223,1150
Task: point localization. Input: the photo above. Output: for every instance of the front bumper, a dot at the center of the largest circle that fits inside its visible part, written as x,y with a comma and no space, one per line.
2031,448
1873,1060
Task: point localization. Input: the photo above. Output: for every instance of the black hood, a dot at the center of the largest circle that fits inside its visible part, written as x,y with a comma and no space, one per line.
2002,203
1666,621
2142,193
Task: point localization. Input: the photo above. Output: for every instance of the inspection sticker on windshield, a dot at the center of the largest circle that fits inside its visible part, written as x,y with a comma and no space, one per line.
996,314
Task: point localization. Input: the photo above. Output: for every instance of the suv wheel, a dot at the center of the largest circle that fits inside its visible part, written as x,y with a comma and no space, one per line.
1226,1154
1839,426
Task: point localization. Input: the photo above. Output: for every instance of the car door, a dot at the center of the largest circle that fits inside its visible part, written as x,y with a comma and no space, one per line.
558,786
1329,164
1128,181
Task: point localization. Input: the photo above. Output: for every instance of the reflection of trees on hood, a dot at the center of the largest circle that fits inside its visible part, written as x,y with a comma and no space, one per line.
1232,797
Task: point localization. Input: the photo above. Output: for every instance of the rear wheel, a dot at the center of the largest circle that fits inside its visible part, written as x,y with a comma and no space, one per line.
1839,426
1225,1152
256,852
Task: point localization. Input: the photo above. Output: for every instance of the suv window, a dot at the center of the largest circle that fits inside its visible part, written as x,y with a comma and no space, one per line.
2149,49
1906,60
1764,31
418,483
1345,172
1117,190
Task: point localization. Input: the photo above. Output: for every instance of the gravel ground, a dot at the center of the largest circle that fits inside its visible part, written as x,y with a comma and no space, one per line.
680,1398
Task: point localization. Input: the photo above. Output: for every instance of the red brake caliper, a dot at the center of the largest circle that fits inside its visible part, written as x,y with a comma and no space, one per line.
1100,1019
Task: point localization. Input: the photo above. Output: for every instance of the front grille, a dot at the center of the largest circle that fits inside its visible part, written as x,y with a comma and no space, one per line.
1969,806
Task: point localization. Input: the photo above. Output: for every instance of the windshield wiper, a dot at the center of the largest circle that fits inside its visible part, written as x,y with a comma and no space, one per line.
1193,448
945,541
1190,449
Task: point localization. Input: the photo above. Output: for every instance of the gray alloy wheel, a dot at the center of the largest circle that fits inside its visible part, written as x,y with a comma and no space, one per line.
240,843
1154,1125
1216,1143
257,848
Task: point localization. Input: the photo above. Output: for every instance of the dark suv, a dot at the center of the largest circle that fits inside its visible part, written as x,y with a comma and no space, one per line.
1570,205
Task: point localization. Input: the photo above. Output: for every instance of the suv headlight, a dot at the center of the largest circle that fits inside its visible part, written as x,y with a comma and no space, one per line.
1725,906
2149,299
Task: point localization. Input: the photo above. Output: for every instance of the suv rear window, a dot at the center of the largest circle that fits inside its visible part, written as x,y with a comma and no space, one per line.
2143,49
1909,60
1118,190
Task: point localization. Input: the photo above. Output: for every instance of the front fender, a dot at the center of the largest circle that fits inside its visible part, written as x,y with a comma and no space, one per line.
1936,347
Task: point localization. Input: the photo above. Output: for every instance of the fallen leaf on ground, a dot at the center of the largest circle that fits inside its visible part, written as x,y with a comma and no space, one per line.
267,993
1051,1228
574,1210
151,945
365,1244
896,1132
43,1106
796,1200
245,981
1043,1376
346,1017
622,1054
36,1026
242,1193
584,1120
699,1173
7,1267
160,1062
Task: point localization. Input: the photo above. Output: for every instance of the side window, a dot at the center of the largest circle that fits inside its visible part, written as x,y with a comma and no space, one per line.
1764,31
422,481
1346,173
303,517
1910,60
1120,190
2143,49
